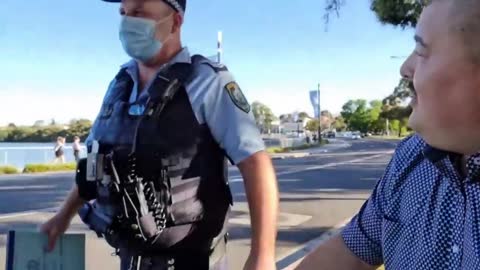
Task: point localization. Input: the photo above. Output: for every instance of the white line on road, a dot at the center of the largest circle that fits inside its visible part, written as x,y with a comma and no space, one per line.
312,168
290,261
26,187
236,179
27,213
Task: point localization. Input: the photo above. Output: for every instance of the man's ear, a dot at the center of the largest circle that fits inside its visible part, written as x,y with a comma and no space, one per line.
177,22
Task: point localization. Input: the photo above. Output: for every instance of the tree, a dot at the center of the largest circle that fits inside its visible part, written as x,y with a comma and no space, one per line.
326,120
339,124
394,107
3,134
263,116
312,125
12,125
303,115
403,13
356,115
39,123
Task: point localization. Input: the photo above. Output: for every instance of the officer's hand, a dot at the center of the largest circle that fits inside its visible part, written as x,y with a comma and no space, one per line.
53,228
255,262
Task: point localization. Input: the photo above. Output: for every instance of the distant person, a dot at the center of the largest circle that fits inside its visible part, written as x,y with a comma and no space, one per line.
424,212
59,151
76,148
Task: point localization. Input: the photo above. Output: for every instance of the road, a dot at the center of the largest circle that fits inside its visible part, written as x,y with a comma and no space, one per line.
317,193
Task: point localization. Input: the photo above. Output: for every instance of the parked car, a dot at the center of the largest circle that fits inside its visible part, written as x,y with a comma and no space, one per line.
331,134
356,135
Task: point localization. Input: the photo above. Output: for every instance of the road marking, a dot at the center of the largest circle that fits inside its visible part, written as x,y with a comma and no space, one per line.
312,168
233,180
290,261
285,220
27,213
26,187
358,153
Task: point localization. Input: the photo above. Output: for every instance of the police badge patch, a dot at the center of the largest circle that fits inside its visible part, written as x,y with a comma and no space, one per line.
237,96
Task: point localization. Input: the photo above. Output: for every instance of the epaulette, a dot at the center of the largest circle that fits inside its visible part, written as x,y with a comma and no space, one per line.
202,60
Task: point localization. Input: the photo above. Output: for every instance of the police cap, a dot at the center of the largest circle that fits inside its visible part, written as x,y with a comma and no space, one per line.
178,5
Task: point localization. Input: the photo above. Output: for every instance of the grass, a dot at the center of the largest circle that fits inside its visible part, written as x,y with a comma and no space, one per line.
39,168
277,150
8,170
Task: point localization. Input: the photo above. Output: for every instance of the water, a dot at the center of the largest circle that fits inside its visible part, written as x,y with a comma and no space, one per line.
19,154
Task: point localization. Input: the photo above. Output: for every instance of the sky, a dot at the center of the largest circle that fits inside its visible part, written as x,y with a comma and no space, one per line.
59,56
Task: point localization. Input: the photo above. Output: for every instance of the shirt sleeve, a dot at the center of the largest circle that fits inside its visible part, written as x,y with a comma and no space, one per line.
363,234
227,113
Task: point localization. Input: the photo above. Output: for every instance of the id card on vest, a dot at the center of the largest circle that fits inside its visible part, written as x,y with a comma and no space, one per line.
94,163
26,251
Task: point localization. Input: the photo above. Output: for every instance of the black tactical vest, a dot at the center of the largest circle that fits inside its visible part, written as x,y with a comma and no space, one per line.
173,154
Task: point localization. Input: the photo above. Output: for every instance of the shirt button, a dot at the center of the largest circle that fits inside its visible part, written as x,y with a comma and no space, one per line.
455,249
476,161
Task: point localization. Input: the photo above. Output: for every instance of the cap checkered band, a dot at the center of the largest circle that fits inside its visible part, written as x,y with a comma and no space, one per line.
175,5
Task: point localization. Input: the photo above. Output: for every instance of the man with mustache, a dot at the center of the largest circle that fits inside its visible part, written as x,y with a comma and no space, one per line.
424,212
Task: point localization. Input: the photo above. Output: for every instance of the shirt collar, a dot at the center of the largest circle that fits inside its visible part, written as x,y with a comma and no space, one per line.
435,154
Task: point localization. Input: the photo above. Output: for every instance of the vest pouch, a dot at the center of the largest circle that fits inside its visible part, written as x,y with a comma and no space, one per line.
186,207
184,204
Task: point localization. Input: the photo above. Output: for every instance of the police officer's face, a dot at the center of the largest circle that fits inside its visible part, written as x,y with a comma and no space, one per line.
446,106
156,10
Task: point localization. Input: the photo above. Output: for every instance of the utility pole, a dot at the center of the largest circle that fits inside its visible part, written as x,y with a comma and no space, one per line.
219,46
319,116
387,128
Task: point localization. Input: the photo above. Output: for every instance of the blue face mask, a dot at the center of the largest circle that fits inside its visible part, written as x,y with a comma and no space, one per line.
138,37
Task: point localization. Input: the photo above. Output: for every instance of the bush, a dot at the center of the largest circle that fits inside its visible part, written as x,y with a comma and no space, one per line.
37,168
8,170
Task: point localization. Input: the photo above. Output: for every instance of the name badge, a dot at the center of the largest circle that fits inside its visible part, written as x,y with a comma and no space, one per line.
94,163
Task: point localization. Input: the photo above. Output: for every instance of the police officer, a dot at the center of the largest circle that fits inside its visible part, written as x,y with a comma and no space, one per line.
155,182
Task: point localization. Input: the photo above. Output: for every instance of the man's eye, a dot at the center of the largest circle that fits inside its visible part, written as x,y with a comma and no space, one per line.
418,53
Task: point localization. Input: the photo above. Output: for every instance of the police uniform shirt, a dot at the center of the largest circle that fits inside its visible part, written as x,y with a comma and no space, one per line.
216,100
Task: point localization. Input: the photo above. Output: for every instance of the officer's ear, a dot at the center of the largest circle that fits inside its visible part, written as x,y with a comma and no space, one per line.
177,22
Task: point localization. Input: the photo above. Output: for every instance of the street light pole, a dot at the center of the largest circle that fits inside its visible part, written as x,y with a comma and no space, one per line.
319,116
219,46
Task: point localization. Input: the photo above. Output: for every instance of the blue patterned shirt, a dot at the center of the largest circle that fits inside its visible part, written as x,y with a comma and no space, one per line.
423,213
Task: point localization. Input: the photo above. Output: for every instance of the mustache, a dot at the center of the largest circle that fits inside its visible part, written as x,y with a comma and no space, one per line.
411,87
408,86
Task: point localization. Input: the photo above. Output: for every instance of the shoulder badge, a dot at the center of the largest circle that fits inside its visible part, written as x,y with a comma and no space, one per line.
237,96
